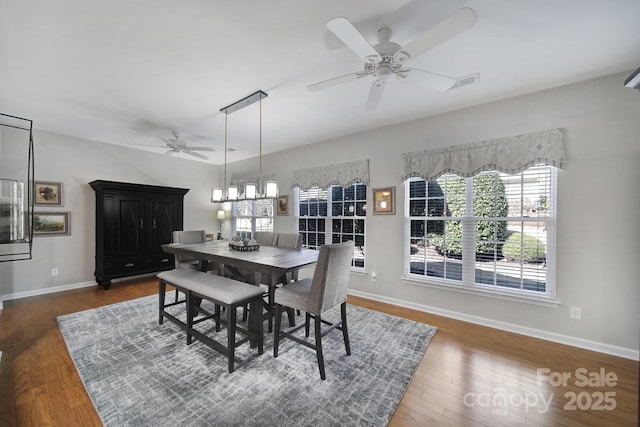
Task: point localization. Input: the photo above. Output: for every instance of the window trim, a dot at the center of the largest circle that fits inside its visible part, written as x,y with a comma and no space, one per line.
547,299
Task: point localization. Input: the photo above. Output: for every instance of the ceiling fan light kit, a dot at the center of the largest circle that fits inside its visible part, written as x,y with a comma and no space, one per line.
387,58
252,191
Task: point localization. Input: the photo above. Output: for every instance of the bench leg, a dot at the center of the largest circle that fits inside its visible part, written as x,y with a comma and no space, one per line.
231,335
191,308
256,325
276,333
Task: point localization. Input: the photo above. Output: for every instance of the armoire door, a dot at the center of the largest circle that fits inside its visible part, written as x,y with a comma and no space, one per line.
129,226
166,220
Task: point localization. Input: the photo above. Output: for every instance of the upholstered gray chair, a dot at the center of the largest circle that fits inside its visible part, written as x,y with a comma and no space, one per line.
325,290
265,238
188,236
289,240
182,261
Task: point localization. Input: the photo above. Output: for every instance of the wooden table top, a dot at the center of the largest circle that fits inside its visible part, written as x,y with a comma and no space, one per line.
265,259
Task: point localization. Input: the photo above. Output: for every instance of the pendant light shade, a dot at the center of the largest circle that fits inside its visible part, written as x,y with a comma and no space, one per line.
262,190
271,190
216,195
250,191
232,193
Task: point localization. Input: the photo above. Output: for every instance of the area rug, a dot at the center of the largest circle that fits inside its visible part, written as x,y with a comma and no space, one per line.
139,373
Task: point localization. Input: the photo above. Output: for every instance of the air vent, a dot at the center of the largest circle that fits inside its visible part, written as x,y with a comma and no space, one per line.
466,81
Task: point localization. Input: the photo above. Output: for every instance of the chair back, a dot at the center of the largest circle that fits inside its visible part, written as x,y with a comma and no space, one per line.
289,240
331,276
188,236
265,238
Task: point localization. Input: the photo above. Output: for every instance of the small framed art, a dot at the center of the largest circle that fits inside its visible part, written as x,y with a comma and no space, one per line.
384,201
48,193
51,224
283,205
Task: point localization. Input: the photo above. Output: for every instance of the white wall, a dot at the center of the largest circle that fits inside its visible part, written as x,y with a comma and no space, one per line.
598,205
76,162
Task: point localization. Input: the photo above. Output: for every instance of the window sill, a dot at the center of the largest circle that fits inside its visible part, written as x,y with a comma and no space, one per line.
525,299
359,272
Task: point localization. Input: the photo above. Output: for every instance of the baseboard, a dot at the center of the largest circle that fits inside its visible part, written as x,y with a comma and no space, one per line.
613,350
36,292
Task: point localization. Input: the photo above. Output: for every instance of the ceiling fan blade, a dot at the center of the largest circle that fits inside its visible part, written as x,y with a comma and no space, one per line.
170,142
433,80
457,23
332,82
200,148
375,94
169,152
193,153
345,31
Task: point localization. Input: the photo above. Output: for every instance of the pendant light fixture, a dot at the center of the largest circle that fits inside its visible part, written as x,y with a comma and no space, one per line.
252,191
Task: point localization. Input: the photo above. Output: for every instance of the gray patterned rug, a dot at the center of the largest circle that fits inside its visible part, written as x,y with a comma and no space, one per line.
139,373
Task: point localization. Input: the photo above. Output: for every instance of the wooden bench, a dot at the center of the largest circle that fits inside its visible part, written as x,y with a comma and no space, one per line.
223,292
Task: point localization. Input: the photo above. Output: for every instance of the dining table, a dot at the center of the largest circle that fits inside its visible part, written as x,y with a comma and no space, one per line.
270,265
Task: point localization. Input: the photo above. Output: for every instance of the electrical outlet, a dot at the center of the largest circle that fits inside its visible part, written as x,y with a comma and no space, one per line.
54,271
374,277
575,313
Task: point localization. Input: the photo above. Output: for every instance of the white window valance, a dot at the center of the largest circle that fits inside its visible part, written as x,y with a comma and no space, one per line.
342,174
512,154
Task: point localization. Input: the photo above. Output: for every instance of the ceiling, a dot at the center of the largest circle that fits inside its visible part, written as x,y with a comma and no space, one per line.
129,72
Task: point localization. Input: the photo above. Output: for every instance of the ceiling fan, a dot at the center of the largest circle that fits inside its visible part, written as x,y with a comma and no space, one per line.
176,145
387,58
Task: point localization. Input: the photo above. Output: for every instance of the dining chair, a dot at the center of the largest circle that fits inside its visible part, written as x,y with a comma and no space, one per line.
316,295
186,261
289,240
265,238
188,236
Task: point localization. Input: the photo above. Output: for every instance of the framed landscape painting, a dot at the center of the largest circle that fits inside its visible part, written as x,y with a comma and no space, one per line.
51,224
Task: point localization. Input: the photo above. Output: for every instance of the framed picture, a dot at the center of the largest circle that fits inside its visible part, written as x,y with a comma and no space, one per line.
283,205
48,193
384,201
51,224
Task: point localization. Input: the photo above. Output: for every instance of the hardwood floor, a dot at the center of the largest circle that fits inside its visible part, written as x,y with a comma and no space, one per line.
466,371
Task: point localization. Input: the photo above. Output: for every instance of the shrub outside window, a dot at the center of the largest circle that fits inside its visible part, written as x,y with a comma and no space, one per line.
492,231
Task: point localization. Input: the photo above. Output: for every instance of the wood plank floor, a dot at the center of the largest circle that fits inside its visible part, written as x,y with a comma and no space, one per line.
467,372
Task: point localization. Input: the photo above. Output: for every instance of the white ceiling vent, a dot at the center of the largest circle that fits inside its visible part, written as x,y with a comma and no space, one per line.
466,81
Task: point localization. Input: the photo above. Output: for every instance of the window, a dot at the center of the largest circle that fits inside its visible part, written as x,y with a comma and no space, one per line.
251,216
333,216
491,231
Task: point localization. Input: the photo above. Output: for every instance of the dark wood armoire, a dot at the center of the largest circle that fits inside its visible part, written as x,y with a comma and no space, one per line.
132,222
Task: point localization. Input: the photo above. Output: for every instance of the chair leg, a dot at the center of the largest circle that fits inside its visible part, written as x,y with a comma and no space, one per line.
162,288
276,333
345,333
307,323
318,330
